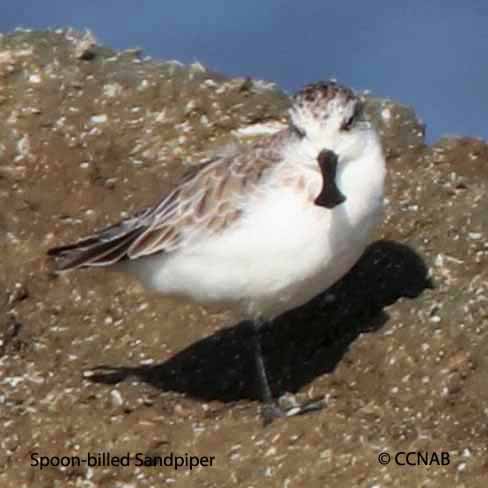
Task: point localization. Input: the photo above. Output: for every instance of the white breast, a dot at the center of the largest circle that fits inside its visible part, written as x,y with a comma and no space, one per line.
285,251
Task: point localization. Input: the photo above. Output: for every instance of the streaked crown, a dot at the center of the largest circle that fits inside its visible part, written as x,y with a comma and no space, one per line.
324,104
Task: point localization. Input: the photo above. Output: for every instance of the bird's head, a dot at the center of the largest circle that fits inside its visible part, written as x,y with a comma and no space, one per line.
329,115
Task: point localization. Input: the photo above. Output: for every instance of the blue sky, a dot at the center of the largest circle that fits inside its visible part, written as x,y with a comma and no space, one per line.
432,54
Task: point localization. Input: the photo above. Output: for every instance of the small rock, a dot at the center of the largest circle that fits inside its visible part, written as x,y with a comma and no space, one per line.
116,398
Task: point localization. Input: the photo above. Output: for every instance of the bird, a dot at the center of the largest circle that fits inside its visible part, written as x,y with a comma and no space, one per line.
263,228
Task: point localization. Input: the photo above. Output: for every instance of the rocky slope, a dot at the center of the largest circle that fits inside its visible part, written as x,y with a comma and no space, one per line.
91,362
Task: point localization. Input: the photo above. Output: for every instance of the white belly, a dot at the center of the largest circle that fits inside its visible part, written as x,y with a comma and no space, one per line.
286,251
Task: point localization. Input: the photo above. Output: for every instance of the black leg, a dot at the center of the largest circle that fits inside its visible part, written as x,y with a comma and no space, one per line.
271,410
264,388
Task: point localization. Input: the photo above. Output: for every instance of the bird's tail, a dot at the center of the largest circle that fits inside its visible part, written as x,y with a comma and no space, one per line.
103,249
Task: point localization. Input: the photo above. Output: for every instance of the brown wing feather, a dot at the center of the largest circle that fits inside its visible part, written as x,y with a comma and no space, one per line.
95,250
203,201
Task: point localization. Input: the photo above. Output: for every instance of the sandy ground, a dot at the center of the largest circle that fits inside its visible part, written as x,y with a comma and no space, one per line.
91,363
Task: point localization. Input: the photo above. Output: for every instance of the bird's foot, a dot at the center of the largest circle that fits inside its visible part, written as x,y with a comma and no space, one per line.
288,406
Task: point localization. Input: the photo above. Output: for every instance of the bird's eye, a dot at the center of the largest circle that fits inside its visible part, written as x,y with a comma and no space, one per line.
298,131
348,123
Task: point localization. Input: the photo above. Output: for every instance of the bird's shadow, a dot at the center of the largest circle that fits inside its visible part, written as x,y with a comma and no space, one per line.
299,346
